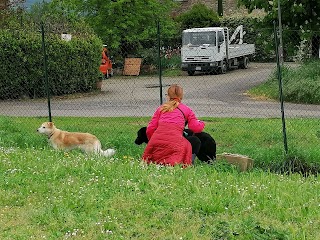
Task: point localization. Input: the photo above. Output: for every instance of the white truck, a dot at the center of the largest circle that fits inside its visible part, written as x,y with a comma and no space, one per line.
211,50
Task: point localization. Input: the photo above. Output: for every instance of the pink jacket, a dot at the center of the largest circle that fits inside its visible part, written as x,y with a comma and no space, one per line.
176,116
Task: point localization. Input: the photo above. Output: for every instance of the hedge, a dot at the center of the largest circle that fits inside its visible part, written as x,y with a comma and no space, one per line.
73,66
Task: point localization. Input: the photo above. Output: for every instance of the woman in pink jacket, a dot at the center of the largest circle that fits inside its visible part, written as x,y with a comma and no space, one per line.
167,145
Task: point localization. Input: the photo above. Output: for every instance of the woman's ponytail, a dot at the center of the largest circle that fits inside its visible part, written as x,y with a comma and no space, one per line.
175,94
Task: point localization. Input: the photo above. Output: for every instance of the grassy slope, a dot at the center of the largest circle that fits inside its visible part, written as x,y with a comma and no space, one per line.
57,195
300,85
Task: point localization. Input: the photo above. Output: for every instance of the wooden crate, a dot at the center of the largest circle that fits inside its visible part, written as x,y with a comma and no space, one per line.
132,66
244,163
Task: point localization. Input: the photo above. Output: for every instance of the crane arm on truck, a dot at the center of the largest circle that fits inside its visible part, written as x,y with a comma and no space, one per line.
239,30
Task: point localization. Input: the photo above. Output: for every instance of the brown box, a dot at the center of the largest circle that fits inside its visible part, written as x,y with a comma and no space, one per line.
244,163
132,66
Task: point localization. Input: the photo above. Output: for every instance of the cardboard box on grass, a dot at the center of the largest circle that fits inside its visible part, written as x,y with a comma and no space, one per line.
244,163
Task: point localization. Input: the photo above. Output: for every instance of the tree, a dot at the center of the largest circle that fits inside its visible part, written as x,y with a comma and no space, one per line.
296,14
124,22
302,16
7,4
198,16
10,9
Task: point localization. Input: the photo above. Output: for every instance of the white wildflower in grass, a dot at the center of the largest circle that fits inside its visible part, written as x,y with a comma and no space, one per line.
107,231
7,150
13,171
73,233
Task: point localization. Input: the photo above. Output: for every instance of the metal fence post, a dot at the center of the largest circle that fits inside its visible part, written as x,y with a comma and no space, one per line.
280,48
159,62
45,70
279,73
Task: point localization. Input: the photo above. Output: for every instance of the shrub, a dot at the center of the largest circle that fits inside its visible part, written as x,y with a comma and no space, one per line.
73,66
198,16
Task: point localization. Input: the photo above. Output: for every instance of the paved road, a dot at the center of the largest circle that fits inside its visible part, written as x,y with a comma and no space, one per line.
209,95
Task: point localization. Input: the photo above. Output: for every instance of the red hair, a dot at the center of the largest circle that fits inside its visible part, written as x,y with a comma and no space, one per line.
175,94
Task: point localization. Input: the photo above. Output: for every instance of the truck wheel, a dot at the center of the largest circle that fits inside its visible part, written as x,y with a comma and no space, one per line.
191,73
224,67
244,63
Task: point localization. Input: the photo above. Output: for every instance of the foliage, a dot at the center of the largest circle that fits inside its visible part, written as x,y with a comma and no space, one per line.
72,66
300,84
59,20
198,16
298,15
261,32
124,23
302,16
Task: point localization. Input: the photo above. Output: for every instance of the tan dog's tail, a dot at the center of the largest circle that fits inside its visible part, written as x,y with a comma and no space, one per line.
108,153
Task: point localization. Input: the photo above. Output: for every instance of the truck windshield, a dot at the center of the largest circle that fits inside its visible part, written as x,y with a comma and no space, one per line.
199,38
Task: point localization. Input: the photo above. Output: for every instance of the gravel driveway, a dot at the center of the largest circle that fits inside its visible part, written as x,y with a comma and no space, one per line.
209,95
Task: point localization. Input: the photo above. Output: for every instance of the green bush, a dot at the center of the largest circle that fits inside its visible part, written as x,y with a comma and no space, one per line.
72,66
198,16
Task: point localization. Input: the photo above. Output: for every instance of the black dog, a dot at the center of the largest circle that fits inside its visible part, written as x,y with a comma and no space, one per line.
207,152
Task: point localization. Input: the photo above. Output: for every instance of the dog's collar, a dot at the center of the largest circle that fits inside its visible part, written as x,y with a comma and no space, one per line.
50,135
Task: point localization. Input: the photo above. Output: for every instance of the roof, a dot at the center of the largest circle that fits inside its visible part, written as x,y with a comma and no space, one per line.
206,29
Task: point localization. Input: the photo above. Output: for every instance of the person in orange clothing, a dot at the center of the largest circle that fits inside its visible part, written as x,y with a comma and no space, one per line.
105,56
106,63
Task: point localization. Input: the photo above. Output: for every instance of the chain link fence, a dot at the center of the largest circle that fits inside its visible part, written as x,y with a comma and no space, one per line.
139,81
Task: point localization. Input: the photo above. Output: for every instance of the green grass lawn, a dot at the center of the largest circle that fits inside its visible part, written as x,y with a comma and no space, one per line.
48,194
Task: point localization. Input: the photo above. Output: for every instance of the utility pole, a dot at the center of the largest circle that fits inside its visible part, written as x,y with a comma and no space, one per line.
220,8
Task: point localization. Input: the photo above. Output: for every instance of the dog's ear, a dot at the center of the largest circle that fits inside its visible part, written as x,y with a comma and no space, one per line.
50,124
142,136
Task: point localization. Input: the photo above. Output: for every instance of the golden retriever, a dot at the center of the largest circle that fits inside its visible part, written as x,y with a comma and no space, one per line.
69,140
